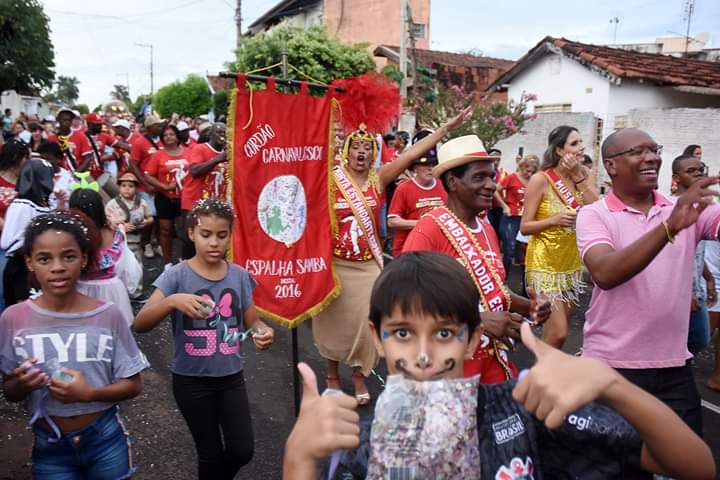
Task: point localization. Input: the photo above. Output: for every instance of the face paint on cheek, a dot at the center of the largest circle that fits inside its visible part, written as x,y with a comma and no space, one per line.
401,366
461,334
385,335
449,364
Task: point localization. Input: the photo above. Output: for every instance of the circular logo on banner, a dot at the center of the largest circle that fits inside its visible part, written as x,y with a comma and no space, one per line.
282,209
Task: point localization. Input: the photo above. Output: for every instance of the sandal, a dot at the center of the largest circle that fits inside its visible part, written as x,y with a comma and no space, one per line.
363,399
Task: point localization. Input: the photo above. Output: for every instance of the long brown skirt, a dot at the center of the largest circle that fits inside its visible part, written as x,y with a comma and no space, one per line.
341,331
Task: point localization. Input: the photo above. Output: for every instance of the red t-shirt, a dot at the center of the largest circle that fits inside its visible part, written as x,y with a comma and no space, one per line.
514,193
500,174
212,185
79,147
7,195
388,154
168,168
101,140
427,236
411,201
141,150
350,242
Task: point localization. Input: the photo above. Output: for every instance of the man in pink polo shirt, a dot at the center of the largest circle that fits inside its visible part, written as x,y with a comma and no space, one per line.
639,247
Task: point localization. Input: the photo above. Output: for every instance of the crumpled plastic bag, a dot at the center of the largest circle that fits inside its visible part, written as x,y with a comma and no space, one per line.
425,430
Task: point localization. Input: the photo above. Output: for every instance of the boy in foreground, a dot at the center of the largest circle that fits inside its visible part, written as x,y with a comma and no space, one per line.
425,322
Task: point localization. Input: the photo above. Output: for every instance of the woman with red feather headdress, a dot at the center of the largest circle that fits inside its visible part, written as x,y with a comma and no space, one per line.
341,331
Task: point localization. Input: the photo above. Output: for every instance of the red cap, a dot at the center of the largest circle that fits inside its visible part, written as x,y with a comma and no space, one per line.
93,118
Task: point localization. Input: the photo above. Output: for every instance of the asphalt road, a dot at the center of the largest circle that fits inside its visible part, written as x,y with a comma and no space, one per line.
162,443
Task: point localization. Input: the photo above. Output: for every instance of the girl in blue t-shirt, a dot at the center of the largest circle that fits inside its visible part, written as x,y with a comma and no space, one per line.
210,303
72,356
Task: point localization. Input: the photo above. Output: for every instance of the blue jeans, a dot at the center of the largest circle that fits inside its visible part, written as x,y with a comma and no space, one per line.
509,228
99,451
699,333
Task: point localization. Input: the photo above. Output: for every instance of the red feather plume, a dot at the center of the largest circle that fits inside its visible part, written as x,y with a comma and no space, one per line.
371,99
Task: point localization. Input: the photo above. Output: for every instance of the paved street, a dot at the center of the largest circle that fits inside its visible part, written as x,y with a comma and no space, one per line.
164,449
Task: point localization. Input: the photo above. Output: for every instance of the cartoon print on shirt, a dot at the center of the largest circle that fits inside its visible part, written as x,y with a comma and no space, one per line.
219,331
355,233
517,469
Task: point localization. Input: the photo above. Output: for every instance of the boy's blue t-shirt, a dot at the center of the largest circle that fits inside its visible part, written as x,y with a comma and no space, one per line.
208,347
593,443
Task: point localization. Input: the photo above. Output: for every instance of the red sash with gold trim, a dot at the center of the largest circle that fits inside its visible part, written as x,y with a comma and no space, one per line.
494,296
565,194
361,211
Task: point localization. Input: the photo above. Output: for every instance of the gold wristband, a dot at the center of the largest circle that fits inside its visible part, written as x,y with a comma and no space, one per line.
670,236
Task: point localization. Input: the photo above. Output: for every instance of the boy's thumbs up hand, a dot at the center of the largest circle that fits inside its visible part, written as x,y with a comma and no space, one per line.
558,383
325,424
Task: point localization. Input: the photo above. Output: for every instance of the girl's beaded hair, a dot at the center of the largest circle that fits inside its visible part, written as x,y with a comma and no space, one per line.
208,207
73,222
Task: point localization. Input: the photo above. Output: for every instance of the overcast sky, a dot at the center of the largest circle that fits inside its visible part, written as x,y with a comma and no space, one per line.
97,44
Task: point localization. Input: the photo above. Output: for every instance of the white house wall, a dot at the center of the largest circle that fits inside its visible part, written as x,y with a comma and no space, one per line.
558,79
676,128
631,95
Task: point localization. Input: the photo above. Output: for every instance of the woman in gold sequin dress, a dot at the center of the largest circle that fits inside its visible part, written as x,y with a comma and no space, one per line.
553,196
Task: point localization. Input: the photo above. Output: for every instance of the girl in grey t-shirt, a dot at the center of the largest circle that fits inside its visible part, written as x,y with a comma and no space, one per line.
73,356
211,306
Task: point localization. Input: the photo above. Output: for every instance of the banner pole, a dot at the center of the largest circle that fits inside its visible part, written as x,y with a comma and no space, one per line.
296,374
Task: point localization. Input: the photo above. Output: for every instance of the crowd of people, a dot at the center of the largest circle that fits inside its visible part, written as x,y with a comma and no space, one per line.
424,277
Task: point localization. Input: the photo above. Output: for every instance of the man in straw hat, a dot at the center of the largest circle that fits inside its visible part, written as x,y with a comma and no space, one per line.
468,174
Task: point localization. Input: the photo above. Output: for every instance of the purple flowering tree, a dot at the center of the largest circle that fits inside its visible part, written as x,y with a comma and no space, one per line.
491,121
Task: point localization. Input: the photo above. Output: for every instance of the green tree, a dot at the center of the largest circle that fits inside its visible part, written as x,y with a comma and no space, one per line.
221,103
190,97
314,52
66,90
491,122
26,53
120,92
82,108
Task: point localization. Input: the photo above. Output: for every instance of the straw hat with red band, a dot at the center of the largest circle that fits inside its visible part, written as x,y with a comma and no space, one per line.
458,152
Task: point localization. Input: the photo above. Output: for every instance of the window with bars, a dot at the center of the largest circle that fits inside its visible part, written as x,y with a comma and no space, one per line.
553,108
418,30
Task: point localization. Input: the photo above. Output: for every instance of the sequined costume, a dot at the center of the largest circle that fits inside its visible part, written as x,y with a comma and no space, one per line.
553,264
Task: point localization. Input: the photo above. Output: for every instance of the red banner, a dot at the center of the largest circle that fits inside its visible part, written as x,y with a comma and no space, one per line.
280,173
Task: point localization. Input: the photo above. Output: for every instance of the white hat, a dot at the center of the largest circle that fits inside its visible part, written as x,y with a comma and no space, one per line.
181,126
459,151
49,118
152,120
68,110
121,123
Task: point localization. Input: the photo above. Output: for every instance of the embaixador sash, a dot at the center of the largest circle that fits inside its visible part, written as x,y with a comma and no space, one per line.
494,296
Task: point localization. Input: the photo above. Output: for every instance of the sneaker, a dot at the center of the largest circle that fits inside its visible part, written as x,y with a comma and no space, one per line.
149,253
158,250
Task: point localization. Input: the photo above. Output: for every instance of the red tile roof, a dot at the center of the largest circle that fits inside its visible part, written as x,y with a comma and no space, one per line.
430,57
662,70
219,84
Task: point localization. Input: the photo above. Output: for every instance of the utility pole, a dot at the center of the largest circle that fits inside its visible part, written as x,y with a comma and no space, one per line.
616,21
403,53
238,21
152,73
689,10
413,53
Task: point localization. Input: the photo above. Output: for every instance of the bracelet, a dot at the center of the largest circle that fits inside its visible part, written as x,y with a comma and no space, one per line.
670,236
